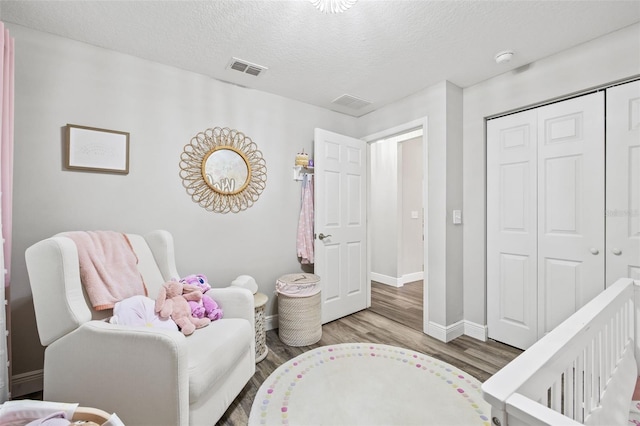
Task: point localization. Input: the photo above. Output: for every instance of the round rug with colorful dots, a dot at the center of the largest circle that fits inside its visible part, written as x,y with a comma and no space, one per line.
368,384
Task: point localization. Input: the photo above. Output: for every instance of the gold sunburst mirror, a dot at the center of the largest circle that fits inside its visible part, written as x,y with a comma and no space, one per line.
223,170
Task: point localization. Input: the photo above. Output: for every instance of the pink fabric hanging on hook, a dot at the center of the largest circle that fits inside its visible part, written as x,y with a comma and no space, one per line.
305,223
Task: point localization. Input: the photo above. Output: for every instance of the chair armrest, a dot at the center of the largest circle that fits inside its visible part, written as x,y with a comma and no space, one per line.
235,302
90,414
54,275
161,244
101,364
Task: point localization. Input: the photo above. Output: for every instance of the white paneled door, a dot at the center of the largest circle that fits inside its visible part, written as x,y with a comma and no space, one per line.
545,222
571,246
340,223
623,182
512,229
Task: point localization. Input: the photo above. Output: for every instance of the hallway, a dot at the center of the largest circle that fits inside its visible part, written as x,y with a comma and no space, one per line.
400,304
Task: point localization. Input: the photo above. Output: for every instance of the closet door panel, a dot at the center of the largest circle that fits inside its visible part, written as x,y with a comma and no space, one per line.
511,229
623,182
570,205
561,290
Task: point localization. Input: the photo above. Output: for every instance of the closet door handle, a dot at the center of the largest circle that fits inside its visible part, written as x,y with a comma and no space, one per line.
616,251
322,236
594,250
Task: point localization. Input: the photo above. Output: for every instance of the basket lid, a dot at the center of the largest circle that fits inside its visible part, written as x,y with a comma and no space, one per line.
299,279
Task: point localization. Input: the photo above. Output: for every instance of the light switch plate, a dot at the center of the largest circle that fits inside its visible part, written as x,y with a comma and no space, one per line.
457,217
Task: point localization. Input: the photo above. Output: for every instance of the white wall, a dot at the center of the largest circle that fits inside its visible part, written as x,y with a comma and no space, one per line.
607,59
60,81
383,212
395,191
412,245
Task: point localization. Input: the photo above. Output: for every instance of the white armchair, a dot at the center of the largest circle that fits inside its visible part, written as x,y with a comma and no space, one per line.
147,376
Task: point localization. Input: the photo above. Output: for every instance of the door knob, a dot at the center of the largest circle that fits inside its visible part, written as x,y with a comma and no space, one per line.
594,250
322,236
616,251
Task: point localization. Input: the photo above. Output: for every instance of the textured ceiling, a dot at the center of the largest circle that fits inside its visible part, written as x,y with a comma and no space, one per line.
380,51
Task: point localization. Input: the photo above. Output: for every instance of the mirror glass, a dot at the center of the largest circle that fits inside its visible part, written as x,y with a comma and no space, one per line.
226,171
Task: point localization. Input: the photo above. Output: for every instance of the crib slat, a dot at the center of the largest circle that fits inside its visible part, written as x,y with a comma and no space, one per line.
591,376
629,317
588,376
600,372
579,389
555,397
569,386
619,343
612,347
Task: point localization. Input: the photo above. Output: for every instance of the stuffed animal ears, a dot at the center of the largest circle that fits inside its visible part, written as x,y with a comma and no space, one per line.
194,279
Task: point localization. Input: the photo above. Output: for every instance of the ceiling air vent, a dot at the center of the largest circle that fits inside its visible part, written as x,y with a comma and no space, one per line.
350,101
246,67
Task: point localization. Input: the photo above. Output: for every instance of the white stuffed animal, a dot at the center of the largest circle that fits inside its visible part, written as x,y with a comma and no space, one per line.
140,311
246,281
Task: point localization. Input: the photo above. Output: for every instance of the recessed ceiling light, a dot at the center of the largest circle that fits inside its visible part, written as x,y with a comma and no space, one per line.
504,56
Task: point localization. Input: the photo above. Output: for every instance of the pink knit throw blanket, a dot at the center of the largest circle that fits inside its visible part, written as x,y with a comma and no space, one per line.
108,267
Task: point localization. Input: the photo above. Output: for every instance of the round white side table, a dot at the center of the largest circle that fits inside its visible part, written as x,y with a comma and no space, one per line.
260,300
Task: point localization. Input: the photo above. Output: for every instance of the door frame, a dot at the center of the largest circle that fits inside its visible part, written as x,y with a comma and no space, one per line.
421,123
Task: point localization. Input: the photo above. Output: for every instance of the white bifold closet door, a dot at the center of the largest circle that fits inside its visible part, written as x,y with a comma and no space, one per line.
623,182
512,223
545,222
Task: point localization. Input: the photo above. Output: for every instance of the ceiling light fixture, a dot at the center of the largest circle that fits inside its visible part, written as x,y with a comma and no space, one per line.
333,6
504,56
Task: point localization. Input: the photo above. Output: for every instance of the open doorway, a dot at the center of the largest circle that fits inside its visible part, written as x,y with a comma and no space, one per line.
396,226
400,304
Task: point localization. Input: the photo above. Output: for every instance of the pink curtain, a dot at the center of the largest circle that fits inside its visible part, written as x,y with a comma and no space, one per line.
6,188
6,145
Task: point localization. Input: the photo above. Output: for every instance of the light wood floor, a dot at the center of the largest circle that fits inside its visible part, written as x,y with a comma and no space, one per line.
480,359
401,304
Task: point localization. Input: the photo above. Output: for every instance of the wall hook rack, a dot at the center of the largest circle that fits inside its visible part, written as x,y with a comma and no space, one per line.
300,171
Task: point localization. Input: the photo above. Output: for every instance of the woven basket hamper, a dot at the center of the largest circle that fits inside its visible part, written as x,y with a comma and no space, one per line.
299,309
300,323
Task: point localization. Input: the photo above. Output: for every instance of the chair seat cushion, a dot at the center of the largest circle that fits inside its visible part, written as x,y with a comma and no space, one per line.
214,351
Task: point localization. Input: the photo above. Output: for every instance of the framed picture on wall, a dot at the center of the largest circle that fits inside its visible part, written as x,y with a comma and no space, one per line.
96,150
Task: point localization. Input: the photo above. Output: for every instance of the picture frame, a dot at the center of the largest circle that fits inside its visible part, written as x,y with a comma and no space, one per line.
96,150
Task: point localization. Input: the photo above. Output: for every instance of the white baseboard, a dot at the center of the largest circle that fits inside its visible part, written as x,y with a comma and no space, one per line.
415,276
446,333
271,322
385,279
26,383
395,281
477,331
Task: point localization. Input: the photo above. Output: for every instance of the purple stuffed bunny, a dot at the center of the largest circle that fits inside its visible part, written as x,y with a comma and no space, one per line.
206,307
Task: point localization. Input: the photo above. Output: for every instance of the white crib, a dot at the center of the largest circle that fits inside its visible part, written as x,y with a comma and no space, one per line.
582,372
